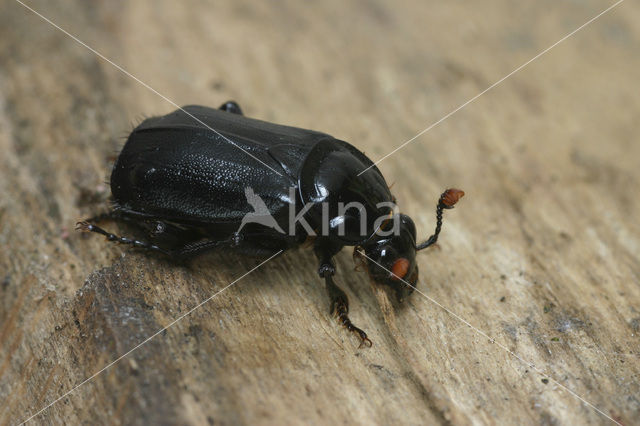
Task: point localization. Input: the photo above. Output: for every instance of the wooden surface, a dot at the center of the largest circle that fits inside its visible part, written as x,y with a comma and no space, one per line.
542,254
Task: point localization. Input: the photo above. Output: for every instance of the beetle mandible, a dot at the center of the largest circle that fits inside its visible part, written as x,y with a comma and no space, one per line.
192,190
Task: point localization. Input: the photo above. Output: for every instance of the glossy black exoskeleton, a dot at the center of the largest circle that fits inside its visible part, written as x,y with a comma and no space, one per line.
193,188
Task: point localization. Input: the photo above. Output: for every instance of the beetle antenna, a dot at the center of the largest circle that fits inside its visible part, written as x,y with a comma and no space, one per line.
446,201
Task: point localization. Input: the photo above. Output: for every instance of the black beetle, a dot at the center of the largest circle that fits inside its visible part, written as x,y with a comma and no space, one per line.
192,188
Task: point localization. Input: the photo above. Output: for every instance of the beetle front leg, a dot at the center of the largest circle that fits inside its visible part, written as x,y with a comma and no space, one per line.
340,308
339,302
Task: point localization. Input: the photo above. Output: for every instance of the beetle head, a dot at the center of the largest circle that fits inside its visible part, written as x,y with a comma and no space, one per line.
392,260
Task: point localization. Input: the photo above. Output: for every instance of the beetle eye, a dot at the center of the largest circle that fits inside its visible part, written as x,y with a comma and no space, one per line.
399,268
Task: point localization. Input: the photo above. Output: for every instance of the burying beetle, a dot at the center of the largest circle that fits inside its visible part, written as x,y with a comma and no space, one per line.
193,190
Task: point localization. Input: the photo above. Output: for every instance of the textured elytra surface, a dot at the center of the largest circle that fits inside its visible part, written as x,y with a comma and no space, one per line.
542,253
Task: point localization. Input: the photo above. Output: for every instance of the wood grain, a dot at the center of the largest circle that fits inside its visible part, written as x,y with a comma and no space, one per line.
542,255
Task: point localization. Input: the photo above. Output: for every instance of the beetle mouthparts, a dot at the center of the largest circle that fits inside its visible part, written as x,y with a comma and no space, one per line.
451,196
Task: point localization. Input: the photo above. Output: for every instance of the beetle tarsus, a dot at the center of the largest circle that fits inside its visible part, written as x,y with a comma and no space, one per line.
340,308
85,226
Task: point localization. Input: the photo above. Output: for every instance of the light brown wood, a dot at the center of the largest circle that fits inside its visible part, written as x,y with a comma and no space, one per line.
542,255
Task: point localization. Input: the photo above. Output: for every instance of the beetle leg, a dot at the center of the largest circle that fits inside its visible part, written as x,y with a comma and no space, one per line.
232,107
340,308
87,227
173,249
154,228
338,298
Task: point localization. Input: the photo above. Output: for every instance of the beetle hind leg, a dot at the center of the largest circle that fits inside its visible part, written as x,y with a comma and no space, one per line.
85,226
232,107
